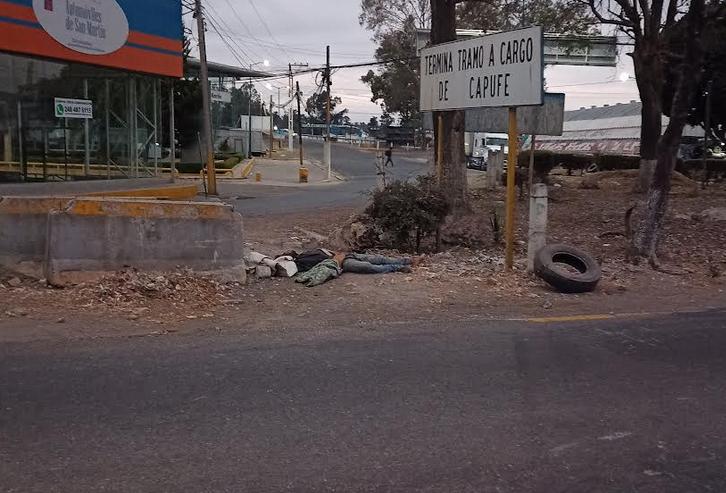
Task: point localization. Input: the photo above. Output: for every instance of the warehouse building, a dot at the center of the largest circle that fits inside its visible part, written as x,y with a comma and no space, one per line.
608,129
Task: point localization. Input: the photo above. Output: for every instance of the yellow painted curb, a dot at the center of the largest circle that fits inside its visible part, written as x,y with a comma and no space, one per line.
175,192
123,207
248,168
572,318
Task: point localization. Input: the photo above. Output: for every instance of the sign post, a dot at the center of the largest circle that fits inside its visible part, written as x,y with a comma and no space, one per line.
503,69
499,70
511,187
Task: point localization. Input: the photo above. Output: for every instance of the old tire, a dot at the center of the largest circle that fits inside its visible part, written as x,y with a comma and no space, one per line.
582,278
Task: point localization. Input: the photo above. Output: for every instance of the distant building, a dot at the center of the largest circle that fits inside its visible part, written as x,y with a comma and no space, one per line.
609,129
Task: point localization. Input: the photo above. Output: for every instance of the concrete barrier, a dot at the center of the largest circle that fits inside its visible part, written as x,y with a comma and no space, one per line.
90,237
23,230
167,192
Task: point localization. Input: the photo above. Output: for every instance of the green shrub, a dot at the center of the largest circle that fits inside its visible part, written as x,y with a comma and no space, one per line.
571,161
544,161
693,168
611,162
230,162
189,167
406,213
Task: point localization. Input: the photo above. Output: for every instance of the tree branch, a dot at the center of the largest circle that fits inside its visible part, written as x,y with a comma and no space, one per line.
671,14
595,9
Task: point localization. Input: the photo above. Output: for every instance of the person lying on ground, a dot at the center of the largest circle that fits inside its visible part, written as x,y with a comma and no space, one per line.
358,263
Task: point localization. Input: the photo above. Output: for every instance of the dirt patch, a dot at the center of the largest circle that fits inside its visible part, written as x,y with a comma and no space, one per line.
459,283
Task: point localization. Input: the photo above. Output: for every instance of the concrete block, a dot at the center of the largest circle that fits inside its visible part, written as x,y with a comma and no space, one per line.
91,237
23,229
537,237
263,271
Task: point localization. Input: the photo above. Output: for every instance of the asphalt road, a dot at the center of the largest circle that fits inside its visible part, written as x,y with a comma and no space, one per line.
357,166
616,406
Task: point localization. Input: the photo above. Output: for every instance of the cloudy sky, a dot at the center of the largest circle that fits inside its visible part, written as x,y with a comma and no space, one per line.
298,30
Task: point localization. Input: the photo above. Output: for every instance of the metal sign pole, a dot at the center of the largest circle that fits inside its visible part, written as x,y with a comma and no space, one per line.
172,143
86,136
511,187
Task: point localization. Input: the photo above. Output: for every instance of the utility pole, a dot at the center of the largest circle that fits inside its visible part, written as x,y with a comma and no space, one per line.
272,126
291,113
706,135
206,112
249,118
327,145
299,124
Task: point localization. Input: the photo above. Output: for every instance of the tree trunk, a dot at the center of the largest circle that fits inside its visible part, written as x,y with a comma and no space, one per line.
649,74
648,233
452,179
453,170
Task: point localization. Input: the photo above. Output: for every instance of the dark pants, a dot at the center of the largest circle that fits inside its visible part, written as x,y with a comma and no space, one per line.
373,264
388,160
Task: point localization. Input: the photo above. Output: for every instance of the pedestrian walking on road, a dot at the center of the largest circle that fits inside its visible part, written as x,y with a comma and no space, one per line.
389,154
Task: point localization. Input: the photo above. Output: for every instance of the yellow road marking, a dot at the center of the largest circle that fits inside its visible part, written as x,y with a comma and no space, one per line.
573,318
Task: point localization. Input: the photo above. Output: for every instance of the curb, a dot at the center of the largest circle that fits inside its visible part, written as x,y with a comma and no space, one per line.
247,170
176,192
335,174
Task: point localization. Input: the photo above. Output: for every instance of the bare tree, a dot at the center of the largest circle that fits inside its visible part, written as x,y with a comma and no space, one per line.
648,23
387,16
688,76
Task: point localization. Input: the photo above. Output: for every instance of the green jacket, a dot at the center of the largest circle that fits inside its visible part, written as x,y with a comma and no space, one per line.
321,273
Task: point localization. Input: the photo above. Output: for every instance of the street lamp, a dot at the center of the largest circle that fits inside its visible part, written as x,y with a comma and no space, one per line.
266,63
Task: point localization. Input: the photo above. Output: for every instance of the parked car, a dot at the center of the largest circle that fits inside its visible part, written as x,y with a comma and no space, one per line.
476,162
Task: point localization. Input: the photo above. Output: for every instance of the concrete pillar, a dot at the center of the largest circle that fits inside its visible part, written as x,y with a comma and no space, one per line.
327,163
7,146
537,222
500,167
493,169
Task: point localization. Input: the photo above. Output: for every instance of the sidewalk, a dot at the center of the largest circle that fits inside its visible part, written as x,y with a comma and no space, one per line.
131,187
285,173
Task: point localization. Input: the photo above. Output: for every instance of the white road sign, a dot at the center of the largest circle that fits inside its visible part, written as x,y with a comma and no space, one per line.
73,108
221,96
503,69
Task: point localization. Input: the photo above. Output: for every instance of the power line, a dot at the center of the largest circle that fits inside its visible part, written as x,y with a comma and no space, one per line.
231,49
267,28
246,28
299,49
247,50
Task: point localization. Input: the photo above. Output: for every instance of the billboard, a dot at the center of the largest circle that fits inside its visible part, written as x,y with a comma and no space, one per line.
503,69
136,35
